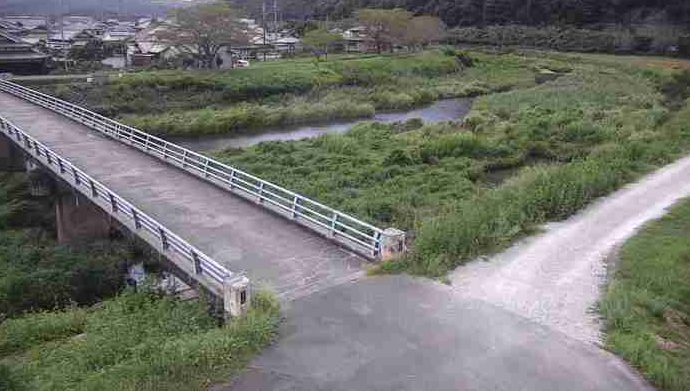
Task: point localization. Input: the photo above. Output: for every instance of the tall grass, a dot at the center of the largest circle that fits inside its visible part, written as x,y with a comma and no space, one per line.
22,333
647,306
246,117
591,130
138,341
187,103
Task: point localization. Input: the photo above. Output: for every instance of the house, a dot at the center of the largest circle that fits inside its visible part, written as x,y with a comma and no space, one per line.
287,45
32,29
356,40
18,56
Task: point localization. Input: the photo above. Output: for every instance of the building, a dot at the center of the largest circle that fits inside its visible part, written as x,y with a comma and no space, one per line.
356,40
19,57
31,29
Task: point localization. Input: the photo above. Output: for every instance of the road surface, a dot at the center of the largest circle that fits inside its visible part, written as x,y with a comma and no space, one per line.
523,320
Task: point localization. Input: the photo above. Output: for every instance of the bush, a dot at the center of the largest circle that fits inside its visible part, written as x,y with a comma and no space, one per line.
31,330
39,275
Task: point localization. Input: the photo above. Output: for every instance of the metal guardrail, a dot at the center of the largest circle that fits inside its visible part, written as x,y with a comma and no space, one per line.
347,230
117,206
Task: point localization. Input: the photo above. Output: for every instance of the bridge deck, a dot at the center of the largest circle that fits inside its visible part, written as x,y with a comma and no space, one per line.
272,250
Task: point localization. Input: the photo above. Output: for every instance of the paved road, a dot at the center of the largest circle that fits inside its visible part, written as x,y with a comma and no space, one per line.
521,321
401,333
275,252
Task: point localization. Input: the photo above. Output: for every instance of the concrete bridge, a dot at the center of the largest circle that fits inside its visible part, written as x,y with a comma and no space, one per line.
217,225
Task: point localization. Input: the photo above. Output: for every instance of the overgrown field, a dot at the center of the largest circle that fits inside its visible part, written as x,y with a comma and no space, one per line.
647,307
520,158
293,92
66,325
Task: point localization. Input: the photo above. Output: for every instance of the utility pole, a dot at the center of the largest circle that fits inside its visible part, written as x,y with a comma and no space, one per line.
263,23
62,34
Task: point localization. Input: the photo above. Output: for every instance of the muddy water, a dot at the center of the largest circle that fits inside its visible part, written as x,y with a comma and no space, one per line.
440,111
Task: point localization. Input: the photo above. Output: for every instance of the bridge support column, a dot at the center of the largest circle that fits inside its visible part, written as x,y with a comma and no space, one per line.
11,157
236,296
78,219
392,243
41,183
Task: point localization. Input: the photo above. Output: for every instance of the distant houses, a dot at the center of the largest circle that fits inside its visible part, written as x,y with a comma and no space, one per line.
41,41
19,56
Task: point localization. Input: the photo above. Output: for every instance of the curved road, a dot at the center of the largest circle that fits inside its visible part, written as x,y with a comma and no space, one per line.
521,321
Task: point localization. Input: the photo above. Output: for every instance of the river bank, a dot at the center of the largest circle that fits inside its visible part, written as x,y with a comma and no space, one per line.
440,111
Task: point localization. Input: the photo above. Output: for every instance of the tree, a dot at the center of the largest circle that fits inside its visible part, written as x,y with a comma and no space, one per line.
321,40
424,30
384,27
203,30
92,51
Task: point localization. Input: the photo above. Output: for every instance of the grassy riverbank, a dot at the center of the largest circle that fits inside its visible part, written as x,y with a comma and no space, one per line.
294,92
647,306
67,323
552,148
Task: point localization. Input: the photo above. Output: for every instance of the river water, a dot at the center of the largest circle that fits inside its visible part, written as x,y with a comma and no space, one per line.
440,111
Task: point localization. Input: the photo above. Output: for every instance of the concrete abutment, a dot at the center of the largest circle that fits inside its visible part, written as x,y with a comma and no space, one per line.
79,220
11,156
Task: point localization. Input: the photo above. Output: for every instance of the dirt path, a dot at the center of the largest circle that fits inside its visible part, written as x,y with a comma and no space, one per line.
556,278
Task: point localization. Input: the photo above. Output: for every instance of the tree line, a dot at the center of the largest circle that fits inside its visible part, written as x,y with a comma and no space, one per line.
496,12
385,29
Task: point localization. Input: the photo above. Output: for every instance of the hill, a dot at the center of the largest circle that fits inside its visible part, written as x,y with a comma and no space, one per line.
491,12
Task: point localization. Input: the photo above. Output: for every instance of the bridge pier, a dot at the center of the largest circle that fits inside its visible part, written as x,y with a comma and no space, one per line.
78,219
11,157
41,182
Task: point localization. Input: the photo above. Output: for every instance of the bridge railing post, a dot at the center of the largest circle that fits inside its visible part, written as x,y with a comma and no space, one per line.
392,243
236,296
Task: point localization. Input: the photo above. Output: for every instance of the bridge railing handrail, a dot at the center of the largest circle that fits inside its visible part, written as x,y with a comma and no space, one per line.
116,205
350,231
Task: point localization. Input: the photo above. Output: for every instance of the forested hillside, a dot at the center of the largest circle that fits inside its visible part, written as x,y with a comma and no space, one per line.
492,12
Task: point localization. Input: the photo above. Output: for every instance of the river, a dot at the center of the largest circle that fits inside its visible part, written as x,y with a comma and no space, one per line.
439,111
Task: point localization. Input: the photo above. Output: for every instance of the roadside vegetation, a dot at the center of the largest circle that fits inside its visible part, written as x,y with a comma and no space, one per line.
647,306
67,321
521,158
136,341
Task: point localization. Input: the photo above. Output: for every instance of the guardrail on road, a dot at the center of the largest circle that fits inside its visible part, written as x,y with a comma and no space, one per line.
145,226
347,230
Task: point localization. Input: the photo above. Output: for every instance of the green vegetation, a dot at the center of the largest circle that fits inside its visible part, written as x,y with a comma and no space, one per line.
50,339
559,144
36,273
294,92
656,39
136,341
647,307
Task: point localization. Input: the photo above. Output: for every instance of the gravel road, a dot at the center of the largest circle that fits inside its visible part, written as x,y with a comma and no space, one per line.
556,278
